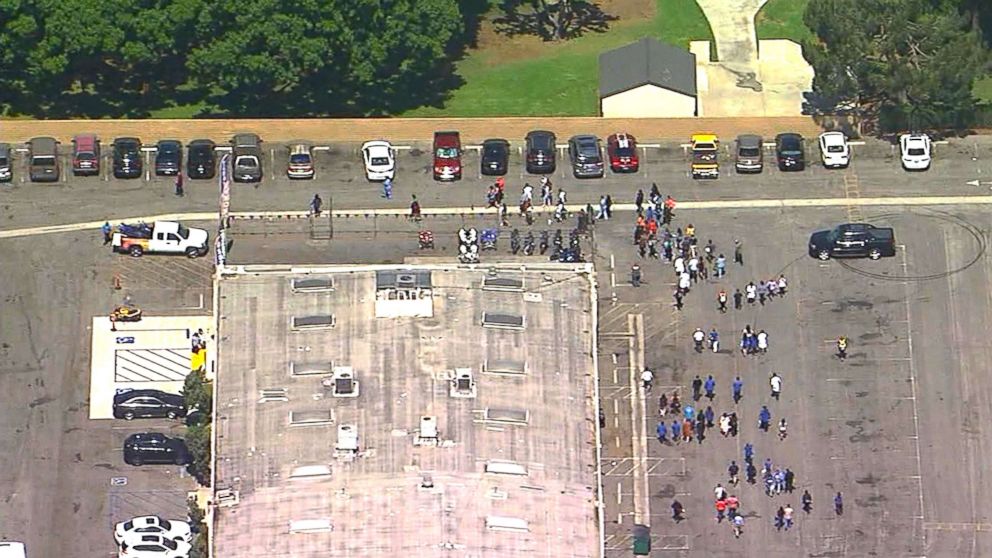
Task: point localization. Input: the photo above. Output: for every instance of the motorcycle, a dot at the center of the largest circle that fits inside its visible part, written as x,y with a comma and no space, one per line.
558,240
126,314
529,244
573,238
426,240
515,242
489,237
468,236
468,253
544,242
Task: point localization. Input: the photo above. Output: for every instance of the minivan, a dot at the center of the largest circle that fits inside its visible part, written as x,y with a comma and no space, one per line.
541,151
85,155
247,158
43,160
127,158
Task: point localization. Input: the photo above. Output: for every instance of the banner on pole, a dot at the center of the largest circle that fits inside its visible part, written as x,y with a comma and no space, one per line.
225,191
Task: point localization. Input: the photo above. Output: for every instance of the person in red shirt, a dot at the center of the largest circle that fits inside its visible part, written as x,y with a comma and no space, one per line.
721,508
732,504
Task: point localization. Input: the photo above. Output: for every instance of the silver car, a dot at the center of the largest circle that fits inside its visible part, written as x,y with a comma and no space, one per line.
247,158
750,153
586,156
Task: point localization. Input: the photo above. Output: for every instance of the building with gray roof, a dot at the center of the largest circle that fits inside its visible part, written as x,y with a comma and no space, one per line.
647,79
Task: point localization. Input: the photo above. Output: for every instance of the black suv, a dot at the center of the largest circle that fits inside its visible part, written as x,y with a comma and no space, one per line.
201,162
790,152
148,403
541,152
168,157
495,157
153,447
127,158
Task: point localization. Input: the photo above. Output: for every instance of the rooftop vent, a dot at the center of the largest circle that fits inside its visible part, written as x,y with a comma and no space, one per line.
496,467
323,321
501,523
310,472
507,416
505,367
463,384
502,321
311,368
313,285
272,394
227,498
427,436
406,279
505,284
342,383
347,439
311,418
304,526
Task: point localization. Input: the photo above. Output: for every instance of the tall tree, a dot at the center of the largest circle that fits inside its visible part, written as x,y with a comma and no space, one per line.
552,20
897,63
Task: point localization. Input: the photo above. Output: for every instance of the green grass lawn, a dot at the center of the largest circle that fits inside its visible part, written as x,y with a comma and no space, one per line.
564,79
782,19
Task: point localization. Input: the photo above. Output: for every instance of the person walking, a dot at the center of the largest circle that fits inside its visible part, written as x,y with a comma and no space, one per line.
714,340
790,480
838,504
775,381
762,292
738,525
108,233
646,378
602,208
179,185
693,266
721,508
738,387
720,268
700,428
807,502
676,431
710,387
780,518
639,201
751,292
684,282
725,424
732,504
687,430
678,512
782,285
842,347
697,386
609,206
662,430
678,299
721,301
708,415
415,209
764,418
738,299
732,471
788,516
748,452
733,423
719,492
782,429
315,205
387,189
762,341
738,252
751,472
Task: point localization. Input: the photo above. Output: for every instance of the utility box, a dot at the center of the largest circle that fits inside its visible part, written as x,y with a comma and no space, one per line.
347,439
463,383
642,540
342,382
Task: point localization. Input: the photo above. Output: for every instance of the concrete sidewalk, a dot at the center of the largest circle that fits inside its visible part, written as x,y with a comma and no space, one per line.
732,24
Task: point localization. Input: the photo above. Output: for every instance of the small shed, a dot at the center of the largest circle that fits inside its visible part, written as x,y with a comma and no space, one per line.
647,79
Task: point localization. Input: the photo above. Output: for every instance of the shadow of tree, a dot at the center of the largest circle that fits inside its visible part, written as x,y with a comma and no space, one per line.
558,21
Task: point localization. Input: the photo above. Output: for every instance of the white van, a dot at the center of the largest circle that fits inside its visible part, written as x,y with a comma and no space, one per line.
9,549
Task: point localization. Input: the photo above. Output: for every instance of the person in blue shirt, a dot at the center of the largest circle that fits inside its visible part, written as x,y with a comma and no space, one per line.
748,452
714,340
764,418
738,389
676,430
710,387
662,430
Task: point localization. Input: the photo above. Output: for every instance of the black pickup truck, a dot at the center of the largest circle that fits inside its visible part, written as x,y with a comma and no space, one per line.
853,240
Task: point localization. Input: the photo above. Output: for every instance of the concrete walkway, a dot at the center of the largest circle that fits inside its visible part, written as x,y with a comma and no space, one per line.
732,24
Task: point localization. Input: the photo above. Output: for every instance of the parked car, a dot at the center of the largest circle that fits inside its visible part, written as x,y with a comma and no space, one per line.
834,150
153,525
790,152
247,158
853,240
85,155
153,546
750,156
447,156
300,161
495,157
6,163
380,160
43,162
168,157
201,161
155,448
148,403
127,158
541,150
915,151
586,156
621,149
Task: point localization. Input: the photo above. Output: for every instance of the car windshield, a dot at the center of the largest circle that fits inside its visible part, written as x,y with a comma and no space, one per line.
43,160
791,152
835,149
749,152
447,152
246,161
495,151
541,143
705,146
200,156
380,161
299,159
625,151
168,148
183,232
916,151
85,156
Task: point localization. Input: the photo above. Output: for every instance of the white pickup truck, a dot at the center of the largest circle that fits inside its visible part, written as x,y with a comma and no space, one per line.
162,237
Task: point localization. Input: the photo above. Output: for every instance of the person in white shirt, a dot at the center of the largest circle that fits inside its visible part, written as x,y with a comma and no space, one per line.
776,382
679,265
762,342
646,378
684,282
694,268
751,292
782,285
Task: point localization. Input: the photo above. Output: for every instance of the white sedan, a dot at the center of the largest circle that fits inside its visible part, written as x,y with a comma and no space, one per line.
915,150
834,150
153,525
380,160
153,546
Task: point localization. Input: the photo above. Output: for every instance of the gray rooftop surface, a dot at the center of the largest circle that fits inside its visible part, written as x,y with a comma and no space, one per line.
647,62
375,504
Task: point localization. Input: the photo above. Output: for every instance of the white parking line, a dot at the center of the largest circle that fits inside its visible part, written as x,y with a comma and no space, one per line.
322,148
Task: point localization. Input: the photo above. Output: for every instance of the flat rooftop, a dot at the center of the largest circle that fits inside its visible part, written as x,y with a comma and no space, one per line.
512,469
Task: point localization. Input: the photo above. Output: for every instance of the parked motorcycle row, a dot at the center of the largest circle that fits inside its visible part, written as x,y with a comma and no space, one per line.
471,243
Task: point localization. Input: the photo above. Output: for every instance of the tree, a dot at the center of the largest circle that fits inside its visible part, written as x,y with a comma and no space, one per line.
198,392
199,528
198,442
552,20
896,63
323,57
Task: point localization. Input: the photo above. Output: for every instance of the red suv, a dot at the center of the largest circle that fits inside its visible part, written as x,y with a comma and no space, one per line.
447,156
621,148
85,154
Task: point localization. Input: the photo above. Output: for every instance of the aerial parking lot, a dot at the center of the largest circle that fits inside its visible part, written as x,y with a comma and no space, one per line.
896,427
